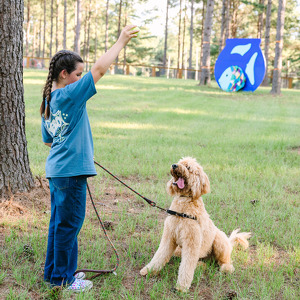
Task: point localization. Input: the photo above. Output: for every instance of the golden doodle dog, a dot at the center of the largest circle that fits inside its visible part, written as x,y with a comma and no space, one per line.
192,239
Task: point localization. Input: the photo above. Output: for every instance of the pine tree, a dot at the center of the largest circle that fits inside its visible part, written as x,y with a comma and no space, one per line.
15,174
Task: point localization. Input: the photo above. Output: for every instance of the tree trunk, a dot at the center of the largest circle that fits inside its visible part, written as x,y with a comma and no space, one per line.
223,25
205,65
88,37
234,20
119,31
84,36
33,53
260,19
44,35
65,24
51,28
227,21
27,33
179,40
276,82
166,38
183,38
267,41
106,25
191,39
96,34
202,31
40,37
56,27
125,23
15,174
77,29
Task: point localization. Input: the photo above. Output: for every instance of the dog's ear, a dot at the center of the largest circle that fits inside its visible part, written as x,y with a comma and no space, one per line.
201,185
170,187
205,184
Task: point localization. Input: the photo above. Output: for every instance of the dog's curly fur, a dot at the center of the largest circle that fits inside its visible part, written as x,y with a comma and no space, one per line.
188,238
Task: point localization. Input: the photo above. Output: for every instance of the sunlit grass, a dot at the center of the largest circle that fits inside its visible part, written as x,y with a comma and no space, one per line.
248,145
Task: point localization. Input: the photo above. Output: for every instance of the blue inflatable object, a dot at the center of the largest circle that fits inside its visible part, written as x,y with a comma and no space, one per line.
246,55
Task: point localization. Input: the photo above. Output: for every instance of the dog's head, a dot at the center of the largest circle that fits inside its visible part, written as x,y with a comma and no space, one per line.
188,179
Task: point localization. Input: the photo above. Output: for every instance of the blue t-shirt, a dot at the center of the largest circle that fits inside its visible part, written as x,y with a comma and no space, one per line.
69,130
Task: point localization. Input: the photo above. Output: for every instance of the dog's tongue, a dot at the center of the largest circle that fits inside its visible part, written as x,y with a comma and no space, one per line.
180,183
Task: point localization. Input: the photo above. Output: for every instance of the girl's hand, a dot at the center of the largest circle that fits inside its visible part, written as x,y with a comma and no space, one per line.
127,34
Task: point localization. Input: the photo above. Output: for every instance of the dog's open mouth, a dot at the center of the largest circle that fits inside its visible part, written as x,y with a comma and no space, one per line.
179,183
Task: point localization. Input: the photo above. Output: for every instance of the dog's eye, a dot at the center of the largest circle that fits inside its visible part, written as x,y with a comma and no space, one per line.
188,167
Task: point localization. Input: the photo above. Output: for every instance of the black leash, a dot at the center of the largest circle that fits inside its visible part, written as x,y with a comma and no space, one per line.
152,203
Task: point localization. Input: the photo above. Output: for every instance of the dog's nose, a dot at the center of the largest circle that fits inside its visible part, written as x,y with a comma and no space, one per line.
174,166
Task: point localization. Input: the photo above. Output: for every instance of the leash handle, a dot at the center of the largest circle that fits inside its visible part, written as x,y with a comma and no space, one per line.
100,272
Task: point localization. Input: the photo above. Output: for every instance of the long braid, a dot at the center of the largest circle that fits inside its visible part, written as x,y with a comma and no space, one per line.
53,75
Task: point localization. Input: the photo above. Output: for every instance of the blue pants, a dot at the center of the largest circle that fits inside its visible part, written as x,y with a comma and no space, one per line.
68,202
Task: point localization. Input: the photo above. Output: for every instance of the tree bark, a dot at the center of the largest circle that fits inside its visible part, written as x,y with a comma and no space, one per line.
260,19
166,38
119,31
15,174
276,82
51,28
205,65
88,37
234,17
65,24
125,23
267,41
191,39
106,25
227,21
223,25
56,26
183,38
179,39
77,29
40,36
27,33
202,31
44,29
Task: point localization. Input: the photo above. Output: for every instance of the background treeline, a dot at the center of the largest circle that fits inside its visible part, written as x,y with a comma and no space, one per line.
92,26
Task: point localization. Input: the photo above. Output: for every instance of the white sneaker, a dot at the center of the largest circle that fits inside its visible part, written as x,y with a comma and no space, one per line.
80,275
80,285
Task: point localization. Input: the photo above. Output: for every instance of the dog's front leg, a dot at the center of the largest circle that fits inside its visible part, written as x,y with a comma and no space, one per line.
189,260
162,255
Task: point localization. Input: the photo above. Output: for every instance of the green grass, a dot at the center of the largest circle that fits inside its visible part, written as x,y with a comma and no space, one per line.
247,144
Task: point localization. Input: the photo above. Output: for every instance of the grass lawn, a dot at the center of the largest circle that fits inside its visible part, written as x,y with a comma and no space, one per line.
247,143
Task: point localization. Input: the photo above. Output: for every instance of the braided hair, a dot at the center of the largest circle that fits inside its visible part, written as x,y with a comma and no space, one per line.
62,60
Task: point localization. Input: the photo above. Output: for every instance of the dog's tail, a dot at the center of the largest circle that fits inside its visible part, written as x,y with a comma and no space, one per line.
241,238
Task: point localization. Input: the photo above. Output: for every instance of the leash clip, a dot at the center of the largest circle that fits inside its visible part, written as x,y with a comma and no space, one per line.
152,203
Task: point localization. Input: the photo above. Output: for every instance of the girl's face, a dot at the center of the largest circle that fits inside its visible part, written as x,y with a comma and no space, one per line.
75,75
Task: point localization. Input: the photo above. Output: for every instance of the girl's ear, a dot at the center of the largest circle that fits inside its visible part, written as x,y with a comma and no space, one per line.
63,74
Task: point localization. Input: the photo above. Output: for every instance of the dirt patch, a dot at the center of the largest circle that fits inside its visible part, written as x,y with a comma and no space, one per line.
22,204
295,149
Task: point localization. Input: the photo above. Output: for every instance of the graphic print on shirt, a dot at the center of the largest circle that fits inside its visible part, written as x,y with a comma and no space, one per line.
56,126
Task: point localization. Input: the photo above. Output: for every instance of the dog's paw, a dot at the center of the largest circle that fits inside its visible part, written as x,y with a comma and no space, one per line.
181,289
144,271
227,268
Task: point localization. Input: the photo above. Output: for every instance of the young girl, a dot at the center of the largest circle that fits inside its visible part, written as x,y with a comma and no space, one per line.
66,129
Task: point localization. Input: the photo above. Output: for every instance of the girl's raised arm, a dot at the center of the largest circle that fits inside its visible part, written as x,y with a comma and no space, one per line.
103,63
